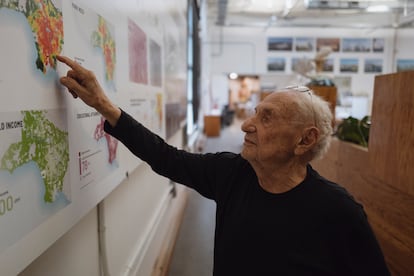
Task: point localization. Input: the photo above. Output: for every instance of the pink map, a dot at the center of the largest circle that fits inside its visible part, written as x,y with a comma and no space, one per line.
137,49
111,141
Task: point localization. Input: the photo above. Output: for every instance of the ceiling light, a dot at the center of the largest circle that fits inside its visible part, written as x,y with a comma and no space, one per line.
378,8
233,76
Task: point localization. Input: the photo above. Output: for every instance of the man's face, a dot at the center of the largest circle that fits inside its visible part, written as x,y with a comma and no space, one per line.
271,136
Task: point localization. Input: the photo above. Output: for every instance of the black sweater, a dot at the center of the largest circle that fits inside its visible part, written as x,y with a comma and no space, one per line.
316,228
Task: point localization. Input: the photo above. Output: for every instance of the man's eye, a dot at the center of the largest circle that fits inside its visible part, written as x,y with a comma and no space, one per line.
265,119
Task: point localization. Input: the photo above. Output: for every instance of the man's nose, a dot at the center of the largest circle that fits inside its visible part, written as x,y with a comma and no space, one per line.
248,125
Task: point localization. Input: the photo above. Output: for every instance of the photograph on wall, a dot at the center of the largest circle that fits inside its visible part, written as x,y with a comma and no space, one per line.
333,43
304,44
378,45
155,64
295,62
351,45
328,65
137,50
348,65
405,65
373,65
276,64
279,43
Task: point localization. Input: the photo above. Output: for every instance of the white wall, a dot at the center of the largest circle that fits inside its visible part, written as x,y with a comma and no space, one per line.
244,51
137,217
76,253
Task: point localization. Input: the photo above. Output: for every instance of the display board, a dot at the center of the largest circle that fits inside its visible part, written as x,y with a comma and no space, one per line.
56,162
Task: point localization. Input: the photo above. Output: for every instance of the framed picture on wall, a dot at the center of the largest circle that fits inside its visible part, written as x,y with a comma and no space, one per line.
294,64
334,43
279,43
301,65
348,65
356,45
276,64
405,65
155,71
304,44
328,65
378,45
373,65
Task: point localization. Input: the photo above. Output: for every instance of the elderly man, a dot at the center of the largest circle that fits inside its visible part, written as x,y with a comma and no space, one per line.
275,214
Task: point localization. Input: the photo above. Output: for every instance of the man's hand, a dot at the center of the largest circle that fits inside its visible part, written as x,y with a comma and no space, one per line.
82,83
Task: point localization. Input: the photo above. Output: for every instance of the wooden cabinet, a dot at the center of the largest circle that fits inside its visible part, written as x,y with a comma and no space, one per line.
212,125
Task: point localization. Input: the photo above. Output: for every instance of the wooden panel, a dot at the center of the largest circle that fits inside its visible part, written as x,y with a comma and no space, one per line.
392,132
212,125
390,211
382,177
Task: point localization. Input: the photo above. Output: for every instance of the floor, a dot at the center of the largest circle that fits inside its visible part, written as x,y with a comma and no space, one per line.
193,252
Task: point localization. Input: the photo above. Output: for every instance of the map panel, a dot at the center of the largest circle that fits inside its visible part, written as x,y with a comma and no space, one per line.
148,109
34,148
92,45
137,51
30,77
34,158
95,44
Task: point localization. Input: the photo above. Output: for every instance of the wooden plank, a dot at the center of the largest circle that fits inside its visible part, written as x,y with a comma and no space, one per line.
391,142
389,210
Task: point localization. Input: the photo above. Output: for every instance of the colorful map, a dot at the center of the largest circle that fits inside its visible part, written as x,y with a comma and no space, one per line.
102,39
112,142
46,23
96,150
93,46
34,165
34,138
137,51
43,143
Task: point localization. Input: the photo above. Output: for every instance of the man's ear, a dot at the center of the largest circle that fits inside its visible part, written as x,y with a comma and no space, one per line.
308,140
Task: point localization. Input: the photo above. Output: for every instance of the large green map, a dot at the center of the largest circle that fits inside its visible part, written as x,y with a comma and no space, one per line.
43,143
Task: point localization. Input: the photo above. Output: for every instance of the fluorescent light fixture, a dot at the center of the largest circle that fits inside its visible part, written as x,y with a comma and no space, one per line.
378,8
233,76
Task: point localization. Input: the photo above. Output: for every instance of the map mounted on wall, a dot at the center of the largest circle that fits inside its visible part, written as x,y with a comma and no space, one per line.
34,149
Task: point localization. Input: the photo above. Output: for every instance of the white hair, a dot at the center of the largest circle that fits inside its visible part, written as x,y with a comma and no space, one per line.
314,108
323,120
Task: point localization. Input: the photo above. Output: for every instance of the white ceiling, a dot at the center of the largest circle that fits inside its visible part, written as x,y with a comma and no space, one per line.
310,13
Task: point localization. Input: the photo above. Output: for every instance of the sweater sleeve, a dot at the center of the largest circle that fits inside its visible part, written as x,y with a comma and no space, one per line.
198,171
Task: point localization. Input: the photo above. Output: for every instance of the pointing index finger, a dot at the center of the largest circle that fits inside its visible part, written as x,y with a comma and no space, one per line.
71,63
